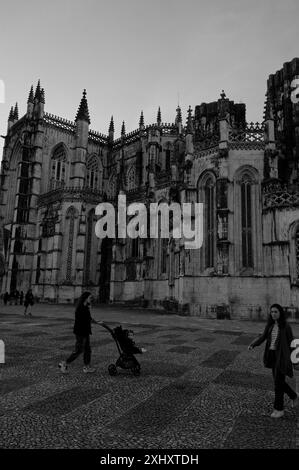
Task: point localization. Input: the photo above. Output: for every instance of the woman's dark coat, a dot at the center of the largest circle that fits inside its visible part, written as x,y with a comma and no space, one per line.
283,348
82,326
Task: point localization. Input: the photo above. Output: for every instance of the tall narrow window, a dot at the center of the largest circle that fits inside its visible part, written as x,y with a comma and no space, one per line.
58,168
246,223
167,159
92,178
88,246
209,196
69,261
163,248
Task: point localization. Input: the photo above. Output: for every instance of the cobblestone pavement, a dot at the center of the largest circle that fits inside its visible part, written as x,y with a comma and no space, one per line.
199,386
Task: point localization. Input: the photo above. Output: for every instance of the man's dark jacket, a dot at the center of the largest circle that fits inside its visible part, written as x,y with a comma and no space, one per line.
82,326
283,348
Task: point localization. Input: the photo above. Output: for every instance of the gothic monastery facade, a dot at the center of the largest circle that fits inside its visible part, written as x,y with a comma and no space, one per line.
55,172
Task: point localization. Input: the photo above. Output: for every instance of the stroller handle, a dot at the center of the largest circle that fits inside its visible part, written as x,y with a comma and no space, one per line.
106,327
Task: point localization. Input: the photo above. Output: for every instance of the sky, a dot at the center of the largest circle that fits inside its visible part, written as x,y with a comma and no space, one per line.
134,55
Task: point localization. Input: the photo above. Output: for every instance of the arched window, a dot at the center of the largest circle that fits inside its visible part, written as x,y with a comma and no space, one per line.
246,221
58,167
131,178
163,249
207,196
209,190
92,178
167,156
111,188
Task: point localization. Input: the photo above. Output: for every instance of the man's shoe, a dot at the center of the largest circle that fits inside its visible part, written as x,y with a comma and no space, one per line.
277,414
63,367
88,370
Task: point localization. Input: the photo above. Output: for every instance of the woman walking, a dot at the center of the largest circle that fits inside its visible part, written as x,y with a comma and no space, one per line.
82,331
277,356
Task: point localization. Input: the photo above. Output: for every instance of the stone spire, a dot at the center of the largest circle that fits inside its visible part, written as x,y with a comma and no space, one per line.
111,131
42,96
11,115
10,121
31,96
83,113
16,113
159,120
123,129
141,121
178,115
37,92
189,121
111,126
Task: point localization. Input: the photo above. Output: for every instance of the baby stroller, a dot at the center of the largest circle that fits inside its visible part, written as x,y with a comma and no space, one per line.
126,348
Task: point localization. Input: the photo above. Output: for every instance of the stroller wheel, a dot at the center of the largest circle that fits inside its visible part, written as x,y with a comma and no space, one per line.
112,369
136,371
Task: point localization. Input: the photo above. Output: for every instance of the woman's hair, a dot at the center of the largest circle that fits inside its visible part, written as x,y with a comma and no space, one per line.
82,299
282,316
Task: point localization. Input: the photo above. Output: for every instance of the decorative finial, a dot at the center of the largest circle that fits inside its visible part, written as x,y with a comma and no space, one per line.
159,120
141,120
111,125
83,113
178,115
11,114
223,95
37,91
16,113
123,129
189,121
42,96
31,95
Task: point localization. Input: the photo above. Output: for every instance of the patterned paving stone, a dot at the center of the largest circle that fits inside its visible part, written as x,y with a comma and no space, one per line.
170,336
159,410
13,384
64,402
20,351
252,432
175,341
245,379
182,350
228,332
244,340
32,334
205,340
163,369
220,359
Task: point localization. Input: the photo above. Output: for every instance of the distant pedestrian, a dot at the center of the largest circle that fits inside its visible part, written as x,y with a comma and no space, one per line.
6,298
82,331
29,302
17,295
21,297
277,356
